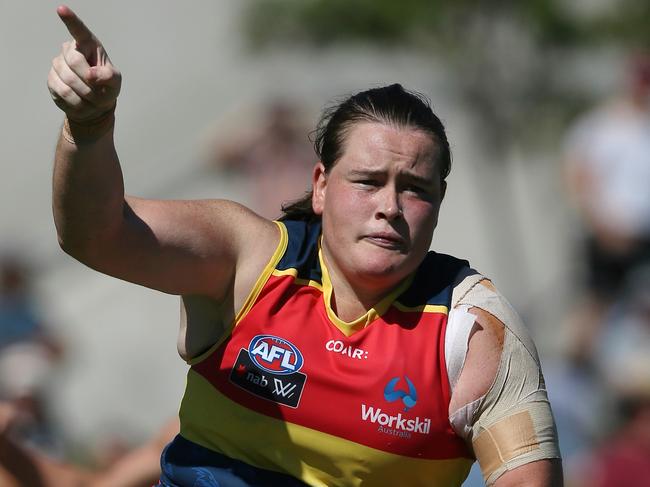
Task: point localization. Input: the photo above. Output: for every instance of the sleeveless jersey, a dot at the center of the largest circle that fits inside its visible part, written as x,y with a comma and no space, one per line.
294,396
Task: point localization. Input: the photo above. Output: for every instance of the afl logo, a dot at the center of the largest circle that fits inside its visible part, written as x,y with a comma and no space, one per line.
275,354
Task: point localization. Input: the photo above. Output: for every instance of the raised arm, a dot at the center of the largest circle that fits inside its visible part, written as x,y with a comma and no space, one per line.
180,247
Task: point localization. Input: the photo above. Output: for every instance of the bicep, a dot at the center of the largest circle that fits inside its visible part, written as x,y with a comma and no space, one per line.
542,473
181,247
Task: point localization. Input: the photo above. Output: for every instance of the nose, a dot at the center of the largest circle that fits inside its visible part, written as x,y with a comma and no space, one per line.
389,206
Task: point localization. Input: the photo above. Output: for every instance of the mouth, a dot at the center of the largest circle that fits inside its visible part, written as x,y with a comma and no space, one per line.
387,240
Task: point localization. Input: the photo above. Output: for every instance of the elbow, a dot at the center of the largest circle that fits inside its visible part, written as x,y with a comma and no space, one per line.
73,247
81,248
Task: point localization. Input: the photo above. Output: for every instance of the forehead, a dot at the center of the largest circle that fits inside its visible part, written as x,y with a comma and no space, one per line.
378,146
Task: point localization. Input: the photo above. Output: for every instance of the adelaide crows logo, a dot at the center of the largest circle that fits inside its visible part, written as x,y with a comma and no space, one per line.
408,398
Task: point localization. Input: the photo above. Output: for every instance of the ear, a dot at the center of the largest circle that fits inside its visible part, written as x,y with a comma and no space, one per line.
319,185
443,190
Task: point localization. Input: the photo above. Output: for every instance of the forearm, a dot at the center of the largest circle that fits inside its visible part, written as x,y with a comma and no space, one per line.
88,189
88,194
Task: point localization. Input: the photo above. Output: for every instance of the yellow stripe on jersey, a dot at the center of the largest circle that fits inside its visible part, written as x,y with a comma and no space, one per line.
426,308
294,272
254,293
264,276
237,433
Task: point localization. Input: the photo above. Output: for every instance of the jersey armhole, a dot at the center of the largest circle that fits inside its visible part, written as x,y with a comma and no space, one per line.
252,295
266,273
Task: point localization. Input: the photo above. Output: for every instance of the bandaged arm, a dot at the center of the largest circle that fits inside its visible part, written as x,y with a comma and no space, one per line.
499,401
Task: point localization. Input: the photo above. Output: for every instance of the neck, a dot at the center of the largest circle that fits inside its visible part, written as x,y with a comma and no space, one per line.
351,300
347,303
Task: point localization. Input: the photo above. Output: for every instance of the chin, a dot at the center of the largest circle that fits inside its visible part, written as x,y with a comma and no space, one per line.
385,260
384,272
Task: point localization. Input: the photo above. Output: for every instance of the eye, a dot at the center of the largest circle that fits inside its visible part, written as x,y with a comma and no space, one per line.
365,182
418,191
413,188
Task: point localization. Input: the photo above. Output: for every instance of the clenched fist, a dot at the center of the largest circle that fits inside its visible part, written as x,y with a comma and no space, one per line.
82,81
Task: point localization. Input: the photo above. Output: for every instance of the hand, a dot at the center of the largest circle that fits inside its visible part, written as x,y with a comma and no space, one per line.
82,81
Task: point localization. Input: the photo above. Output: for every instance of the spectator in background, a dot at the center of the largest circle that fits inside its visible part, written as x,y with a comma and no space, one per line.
27,353
19,319
608,168
623,352
275,161
22,466
623,459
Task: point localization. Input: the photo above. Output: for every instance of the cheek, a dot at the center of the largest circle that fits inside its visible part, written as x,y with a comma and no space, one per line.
346,204
338,211
422,219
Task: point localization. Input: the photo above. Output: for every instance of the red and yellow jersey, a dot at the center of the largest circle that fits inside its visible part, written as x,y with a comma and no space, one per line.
295,390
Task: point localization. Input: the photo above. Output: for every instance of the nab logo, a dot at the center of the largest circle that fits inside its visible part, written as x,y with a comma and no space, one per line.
275,355
408,398
269,368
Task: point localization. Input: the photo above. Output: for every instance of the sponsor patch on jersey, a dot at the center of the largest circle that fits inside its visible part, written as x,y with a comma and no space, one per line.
409,398
275,355
399,425
338,346
269,369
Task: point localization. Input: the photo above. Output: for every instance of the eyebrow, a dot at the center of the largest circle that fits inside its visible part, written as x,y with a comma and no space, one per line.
379,173
368,172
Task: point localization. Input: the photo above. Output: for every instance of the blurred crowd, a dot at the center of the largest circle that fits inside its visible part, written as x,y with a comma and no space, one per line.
28,352
599,387
32,449
600,391
273,156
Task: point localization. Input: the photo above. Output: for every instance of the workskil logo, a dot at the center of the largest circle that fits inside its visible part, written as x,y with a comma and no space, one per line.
275,354
408,398
398,424
269,369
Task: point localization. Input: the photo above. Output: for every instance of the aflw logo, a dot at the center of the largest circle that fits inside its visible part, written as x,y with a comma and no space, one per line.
397,423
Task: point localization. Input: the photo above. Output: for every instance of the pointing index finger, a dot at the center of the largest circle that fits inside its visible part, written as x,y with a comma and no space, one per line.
75,26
